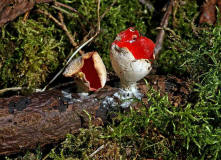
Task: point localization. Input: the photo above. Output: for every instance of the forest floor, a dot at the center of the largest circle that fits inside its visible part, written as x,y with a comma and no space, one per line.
182,119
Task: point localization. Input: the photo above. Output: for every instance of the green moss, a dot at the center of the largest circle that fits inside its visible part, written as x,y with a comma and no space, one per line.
28,53
180,38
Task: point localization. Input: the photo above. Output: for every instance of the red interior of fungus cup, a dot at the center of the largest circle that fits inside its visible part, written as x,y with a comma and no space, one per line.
91,74
128,35
141,47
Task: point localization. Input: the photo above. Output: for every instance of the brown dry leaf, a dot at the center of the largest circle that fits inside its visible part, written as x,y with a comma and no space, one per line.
208,11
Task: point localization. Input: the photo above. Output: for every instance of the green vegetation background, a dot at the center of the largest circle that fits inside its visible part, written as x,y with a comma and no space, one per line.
32,51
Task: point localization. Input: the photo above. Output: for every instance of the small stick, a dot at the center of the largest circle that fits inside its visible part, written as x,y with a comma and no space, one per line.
49,16
98,16
16,89
26,16
10,89
68,7
73,10
71,38
163,25
62,25
62,85
107,10
70,14
98,150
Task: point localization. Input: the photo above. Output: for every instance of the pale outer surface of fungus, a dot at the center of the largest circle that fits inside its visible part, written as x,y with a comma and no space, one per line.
127,68
75,66
130,56
100,68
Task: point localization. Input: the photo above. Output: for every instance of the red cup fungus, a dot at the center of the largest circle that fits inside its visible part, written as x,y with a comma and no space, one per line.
89,70
130,56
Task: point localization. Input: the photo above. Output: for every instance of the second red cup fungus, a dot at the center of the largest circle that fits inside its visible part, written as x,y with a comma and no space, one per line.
89,69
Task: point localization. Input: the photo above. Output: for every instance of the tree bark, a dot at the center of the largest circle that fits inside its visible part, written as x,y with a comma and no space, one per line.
44,118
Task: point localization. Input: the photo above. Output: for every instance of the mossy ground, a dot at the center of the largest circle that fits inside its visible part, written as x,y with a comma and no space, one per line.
160,131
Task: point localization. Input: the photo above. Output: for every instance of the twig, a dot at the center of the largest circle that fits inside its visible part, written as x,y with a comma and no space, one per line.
175,9
62,25
194,28
26,16
71,38
70,14
96,151
163,24
17,89
98,16
73,10
10,89
62,85
68,7
107,10
61,18
79,48
49,16
62,10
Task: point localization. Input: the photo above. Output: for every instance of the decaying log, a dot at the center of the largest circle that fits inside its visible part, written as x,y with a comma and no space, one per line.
44,118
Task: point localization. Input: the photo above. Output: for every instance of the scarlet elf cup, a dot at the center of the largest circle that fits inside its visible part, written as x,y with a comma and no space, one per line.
131,56
89,72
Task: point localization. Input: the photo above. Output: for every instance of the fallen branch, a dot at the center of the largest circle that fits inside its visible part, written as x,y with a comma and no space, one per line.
98,150
40,119
10,89
43,118
163,25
